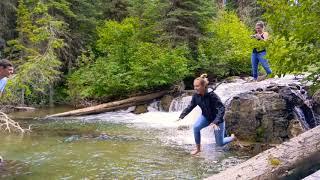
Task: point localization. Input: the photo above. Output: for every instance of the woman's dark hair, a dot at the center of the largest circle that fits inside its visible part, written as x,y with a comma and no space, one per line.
5,63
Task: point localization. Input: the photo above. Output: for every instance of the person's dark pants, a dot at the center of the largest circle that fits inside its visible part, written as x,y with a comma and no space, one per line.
256,58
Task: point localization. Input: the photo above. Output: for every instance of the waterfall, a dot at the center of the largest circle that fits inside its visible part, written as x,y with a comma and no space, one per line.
301,107
154,106
180,103
301,117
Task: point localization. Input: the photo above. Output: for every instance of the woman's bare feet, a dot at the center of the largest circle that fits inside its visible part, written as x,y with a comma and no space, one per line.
197,150
194,152
236,140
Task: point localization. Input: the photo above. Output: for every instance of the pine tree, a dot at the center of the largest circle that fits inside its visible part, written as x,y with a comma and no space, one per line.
37,45
7,23
184,22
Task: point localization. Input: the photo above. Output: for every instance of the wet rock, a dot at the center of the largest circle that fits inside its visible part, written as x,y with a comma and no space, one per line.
11,109
295,128
316,106
232,79
316,102
270,116
259,117
273,88
291,97
250,148
72,139
294,86
165,102
141,109
103,136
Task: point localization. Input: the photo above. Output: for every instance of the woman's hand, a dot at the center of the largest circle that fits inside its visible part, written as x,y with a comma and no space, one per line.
215,127
178,119
258,36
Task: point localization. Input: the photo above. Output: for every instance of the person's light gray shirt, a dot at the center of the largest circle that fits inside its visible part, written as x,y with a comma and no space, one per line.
3,83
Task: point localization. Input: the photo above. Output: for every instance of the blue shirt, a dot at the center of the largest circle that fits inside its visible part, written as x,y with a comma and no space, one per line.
3,83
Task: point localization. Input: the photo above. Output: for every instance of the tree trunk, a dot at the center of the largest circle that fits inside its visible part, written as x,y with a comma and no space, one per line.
111,106
51,93
292,157
22,97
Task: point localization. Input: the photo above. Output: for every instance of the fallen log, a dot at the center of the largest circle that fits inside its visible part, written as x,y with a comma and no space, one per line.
296,155
111,106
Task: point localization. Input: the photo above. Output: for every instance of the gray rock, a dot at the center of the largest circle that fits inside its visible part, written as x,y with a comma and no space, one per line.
165,102
316,102
141,109
295,128
72,138
259,117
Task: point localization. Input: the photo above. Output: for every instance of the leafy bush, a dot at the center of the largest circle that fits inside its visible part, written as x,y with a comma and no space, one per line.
296,45
126,64
227,48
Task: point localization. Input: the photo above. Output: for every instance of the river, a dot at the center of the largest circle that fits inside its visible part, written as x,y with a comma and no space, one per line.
118,145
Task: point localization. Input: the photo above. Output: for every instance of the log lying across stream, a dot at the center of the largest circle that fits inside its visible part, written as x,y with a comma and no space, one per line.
289,158
111,106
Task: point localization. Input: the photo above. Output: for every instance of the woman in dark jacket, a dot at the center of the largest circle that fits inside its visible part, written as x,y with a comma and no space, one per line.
212,113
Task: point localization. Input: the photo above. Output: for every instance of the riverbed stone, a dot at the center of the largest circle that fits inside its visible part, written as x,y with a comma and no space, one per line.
295,128
165,102
141,109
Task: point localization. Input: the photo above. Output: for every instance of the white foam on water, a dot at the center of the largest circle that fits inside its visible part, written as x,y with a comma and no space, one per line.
228,90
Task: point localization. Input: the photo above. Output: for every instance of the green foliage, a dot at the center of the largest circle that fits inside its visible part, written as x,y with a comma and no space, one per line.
228,46
184,22
249,11
126,64
296,45
38,39
7,19
113,47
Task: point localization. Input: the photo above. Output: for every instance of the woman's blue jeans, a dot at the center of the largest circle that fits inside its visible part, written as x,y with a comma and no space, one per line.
201,123
256,58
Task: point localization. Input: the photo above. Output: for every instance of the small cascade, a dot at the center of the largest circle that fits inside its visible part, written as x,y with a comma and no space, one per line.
180,103
300,106
154,106
301,117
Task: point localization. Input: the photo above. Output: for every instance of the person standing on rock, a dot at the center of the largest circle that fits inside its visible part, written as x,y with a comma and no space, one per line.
6,69
212,113
259,52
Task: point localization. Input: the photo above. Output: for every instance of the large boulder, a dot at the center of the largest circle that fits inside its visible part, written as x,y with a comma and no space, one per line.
260,117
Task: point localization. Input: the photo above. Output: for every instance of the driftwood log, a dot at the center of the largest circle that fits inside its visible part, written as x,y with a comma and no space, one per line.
111,106
297,155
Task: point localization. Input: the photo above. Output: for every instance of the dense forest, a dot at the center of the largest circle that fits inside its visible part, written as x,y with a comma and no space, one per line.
70,51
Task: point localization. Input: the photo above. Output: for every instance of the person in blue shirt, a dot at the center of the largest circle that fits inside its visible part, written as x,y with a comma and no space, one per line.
212,113
6,69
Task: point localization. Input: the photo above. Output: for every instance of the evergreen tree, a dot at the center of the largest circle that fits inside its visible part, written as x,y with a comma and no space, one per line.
7,23
184,22
37,42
